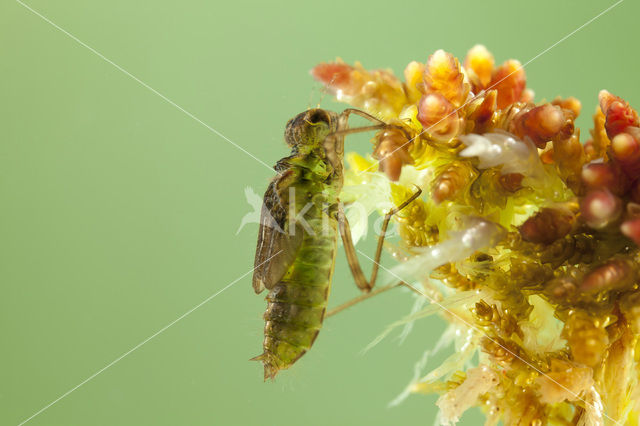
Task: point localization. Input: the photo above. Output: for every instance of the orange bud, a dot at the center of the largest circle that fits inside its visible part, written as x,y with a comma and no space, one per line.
392,152
509,79
448,184
479,64
438,116
413,74
443,75
570,103
625,148
542,124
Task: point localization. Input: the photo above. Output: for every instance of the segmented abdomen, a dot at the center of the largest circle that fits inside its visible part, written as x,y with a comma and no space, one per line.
296,305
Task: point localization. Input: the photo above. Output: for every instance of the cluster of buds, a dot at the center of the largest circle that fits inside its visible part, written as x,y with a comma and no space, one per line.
612,181
570,213
444,94
441,100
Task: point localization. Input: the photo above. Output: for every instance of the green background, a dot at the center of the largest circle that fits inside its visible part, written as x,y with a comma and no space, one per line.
119,212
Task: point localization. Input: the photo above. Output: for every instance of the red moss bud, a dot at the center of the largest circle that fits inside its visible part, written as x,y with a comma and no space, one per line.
509,80
438,117
448,184
511,182
392,152
600,208
619,114
631,229
616,274
625,148
543,123
548,225
605,175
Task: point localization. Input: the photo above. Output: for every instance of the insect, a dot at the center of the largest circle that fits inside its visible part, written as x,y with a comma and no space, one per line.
300,220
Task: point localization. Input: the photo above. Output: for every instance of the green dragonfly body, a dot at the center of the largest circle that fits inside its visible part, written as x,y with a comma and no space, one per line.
298,235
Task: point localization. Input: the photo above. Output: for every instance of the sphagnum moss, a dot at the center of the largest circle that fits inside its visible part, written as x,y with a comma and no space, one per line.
536,232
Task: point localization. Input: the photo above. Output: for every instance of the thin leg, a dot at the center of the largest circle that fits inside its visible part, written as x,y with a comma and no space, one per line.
369,295
344,116
335,140
352,257
360,298
357,130
362,114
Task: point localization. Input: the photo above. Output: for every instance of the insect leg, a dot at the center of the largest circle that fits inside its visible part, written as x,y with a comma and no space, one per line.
362,114
357,130
360,298
343,128
349,248
344,119
369,295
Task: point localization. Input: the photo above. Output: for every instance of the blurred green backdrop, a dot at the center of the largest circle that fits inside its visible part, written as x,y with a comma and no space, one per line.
119,212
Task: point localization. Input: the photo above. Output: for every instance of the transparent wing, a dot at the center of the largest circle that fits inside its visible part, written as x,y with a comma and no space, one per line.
277,247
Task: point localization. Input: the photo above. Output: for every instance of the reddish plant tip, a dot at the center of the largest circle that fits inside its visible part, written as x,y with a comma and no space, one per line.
334,75
597,175
438,116
625,148
631,229
543,124
392,152
605,175
509,80
600,207
548,225
511,182
572,104
391,166
613,275
448,184
442,75
443,190
619,114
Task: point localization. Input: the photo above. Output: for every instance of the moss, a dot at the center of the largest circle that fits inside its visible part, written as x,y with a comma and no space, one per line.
549,280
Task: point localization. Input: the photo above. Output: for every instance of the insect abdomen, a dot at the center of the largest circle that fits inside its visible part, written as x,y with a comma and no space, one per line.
296,305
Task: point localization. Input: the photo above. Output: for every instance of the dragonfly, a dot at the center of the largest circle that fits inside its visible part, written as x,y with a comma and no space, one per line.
301,218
